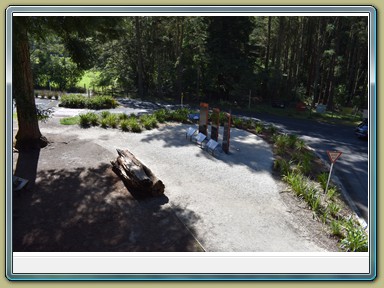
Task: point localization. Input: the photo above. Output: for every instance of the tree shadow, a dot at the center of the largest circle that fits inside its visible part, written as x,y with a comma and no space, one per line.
90,210
245,149
26,166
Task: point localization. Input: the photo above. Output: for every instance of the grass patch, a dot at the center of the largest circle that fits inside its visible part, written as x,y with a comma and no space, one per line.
88,79
70,120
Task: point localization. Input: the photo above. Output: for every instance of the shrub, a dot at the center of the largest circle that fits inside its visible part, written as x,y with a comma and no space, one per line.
96,102
281,143
161,115
323,179
313,199
73,101
259,128
291,140
105,114
332,193
305,162
112,120
104,122
124,125
300,144
336,228
88,119
356,239
282,165
134,125
123,116
237,122
333,209
180,115
296,181
272,129
148,121
101,102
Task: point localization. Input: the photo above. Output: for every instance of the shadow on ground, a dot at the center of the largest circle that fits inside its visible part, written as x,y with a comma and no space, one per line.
89,210
245,149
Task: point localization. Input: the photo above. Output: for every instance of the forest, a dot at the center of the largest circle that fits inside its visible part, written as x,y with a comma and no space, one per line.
313,59
230,60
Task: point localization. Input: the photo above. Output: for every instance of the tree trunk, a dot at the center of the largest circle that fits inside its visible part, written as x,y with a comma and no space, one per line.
137,177
28,135
140,69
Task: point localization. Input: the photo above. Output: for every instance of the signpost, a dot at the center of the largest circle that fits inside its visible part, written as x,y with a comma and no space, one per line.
333,156
203,122
215,124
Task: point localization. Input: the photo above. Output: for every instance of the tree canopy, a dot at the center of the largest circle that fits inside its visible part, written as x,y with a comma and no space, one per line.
316,59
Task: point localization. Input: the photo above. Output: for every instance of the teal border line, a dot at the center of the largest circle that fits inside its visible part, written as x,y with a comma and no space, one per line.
202,9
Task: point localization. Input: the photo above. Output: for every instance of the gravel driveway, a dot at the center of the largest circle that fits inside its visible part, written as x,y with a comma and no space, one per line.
227,203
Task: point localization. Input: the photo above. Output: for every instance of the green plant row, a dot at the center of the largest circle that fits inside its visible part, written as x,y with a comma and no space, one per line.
94,102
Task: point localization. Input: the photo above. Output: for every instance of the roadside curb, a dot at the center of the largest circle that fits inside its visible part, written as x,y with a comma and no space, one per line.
344,192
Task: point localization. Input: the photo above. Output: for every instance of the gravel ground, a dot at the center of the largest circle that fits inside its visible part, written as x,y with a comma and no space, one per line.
228,203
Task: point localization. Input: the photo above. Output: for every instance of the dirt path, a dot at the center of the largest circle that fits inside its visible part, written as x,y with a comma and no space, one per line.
229,203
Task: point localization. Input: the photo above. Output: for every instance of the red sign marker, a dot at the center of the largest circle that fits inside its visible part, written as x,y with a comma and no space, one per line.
334,155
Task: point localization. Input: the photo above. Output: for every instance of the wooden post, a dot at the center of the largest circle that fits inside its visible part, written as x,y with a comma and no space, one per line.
226,134
215,124
203,120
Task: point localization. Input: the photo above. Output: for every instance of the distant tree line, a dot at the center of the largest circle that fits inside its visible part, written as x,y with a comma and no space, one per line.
288,58
273,58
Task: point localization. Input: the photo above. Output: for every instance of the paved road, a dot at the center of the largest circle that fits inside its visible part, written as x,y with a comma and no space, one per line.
351,168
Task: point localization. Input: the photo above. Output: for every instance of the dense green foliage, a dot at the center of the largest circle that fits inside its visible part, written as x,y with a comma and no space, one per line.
279,58
80,101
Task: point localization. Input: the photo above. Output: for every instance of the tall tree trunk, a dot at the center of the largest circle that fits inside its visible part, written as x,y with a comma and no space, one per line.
179,54
268,44
265,82
140,69
29,135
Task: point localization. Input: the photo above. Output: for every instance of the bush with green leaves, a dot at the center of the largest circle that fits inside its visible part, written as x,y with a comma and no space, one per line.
356,239
104,114
332,193
322,178
180,115
148,121
101,102
297,182
73,101
104,122
112,120
133,125
95,102
336,228
282,165
334,209
162,115
88,119
123,116
259,128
